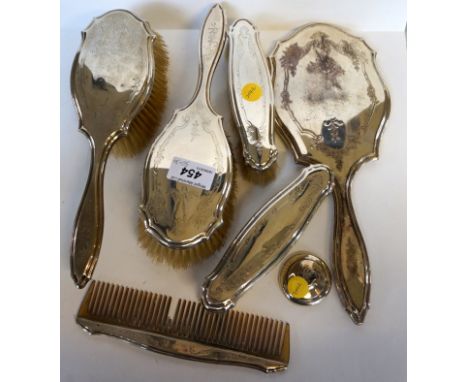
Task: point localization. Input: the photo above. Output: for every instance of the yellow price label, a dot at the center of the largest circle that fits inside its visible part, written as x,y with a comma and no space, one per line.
252,92
298,287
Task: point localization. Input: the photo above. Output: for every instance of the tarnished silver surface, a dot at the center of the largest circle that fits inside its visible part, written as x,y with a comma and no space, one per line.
251,95
111,79
331,106
266,238
305,278
192,332
177,214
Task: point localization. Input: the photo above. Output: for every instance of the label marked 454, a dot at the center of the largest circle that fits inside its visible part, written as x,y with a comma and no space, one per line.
191,173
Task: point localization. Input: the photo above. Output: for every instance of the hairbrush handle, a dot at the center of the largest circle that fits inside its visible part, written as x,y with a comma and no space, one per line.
265,239
351,263
89,222
212,41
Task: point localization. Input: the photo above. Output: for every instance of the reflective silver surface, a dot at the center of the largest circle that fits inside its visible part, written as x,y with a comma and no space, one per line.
331,106
251,95
266,238
305,278
111,79
179,215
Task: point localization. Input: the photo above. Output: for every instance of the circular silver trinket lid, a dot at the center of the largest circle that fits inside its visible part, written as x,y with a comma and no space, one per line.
305,278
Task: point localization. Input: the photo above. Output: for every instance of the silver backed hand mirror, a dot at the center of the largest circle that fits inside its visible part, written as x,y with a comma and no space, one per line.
331,106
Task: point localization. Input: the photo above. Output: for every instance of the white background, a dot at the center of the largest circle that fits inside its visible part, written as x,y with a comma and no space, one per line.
437,203
369,15
325,345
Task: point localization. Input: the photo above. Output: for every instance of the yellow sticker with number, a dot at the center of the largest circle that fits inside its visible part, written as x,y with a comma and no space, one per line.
298,287
252,92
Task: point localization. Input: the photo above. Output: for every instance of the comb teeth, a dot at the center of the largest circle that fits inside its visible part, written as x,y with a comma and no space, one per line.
114,306
135,308
242,331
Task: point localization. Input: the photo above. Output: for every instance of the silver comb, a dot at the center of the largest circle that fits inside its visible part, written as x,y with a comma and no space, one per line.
194,333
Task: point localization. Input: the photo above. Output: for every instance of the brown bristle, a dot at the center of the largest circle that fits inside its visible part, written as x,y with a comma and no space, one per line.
144,126
244,170
250,174
131,308
183,258
257,176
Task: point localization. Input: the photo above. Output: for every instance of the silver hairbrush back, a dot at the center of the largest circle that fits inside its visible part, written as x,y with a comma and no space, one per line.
251,95
188,174
111,81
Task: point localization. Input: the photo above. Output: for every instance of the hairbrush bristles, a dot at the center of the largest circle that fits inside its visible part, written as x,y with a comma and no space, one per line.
144,126
245,171
183,258
259,177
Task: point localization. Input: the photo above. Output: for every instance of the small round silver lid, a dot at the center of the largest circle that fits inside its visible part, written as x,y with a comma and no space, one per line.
305,278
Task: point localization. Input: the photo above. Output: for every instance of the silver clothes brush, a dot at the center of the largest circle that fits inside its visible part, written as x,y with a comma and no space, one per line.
251,95
266,238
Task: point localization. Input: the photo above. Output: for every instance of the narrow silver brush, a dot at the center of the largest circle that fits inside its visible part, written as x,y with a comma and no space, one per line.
251,95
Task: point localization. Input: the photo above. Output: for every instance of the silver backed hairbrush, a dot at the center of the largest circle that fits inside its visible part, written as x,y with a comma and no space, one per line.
112,82
251,95
188,172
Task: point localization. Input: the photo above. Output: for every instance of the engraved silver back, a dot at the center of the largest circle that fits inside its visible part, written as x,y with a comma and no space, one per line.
251,95
112,77
112,74
329,97
179,215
